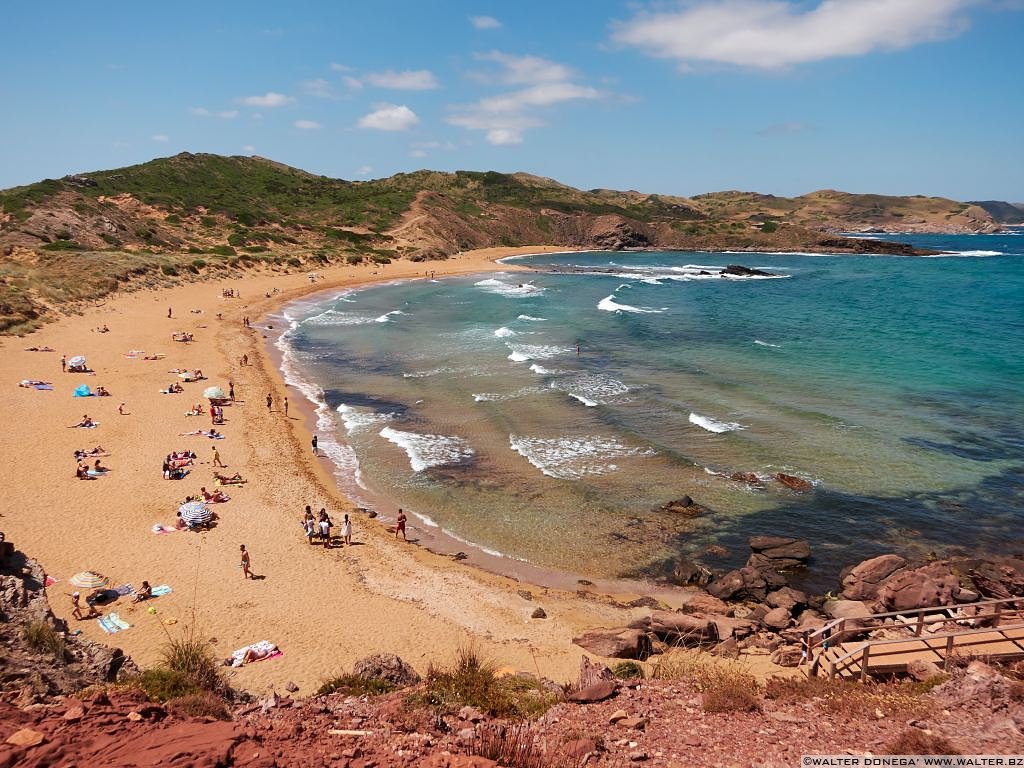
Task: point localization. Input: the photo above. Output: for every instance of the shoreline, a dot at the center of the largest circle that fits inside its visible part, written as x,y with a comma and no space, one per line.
324,608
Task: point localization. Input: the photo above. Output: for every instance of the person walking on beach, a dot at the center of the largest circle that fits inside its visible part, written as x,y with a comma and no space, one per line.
400,525
346,531
168,313
270,402
316,451
286,406
245,359
216,458
63,363
325,527
246,562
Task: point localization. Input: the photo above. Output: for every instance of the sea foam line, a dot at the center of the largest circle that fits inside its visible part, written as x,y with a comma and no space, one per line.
425,451
713,425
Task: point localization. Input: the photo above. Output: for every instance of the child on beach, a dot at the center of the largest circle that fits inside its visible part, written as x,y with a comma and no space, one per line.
325,527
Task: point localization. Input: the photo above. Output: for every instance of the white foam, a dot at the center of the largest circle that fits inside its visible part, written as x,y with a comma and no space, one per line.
493,285
532,319
571,458
713,425
334,317
608,304
975,254
497,397
385,317
425,451
523,352
356,419
542,370
591,389
504,332
764,343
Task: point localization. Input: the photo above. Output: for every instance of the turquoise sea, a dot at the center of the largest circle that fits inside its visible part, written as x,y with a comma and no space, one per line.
895,385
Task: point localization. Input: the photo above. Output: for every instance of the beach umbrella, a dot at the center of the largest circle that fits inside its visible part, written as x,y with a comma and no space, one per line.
88,580
77,361
214,393
195,512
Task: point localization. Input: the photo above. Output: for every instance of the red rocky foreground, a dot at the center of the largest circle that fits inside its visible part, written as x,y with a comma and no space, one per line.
662,723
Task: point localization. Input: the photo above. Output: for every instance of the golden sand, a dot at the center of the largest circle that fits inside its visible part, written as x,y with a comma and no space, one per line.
324,608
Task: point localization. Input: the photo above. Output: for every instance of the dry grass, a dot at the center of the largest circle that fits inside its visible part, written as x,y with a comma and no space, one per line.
472,681
43,638
852,698
725,686
914,741
510,746
355,685
202,704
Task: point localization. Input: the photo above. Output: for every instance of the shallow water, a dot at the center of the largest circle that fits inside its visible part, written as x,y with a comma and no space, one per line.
895,385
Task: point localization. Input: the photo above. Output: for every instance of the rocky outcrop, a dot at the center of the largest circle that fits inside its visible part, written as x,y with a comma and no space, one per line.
778,552
686,572
737,270
923,587
386,666
621,643
794,483
746,583
863,581
682,506
678,629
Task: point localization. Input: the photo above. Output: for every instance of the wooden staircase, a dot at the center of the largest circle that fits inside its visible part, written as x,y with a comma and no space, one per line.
845,648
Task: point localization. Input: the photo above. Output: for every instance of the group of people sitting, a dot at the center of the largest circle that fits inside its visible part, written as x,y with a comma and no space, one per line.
320,527
85,423
85,472
197,410
101,329
182,336
175,463
101,392
193,375
172,389
214,497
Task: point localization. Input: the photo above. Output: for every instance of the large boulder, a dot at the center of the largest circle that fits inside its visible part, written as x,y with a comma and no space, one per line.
846,609
924,587
687,572
702,602
676,628
778,552
791,599
386,666
621,643
682,506
863,580
777,619
793,482
746,583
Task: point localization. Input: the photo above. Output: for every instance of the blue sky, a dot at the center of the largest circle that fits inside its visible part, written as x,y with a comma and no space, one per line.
776,96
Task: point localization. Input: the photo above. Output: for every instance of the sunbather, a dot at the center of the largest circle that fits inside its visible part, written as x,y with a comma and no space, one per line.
215,497
29,383
97,467
144,593
102,392
85,422
40,349
235,479
254,652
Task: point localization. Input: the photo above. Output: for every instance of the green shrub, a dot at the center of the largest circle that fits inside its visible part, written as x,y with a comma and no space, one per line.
770,226
256,248
246,218
471,681
62,245
172,218
356,685
353,259
628,670
223,250
169,269
194,249
208,221
43,638
161,684
194,659
198,263
380,258
199,705
725,686
294,262
238,238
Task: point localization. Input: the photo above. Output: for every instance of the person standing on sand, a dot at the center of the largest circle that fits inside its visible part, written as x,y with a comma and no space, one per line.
63,363
246,562
216,458
270,402
346,531
168,313
245,359
316,451
286,406
231,391
400,526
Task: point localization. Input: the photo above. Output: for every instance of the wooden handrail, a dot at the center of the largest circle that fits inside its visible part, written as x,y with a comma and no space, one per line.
841,662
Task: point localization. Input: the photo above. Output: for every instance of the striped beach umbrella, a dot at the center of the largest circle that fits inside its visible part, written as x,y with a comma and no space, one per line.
88,580
214,393
77,361
195,512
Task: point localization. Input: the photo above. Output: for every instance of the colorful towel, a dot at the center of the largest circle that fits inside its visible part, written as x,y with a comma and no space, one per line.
160,528
163,589
112,623
124,589
50,581
259,646
42,386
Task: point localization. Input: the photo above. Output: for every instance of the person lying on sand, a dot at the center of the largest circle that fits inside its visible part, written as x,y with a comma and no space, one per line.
152,357
211,433
102,329
235,479
144,593
29,383
216,497
99,450
85,422
251,654
40,349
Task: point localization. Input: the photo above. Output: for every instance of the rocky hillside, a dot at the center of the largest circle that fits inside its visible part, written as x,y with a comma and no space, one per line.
196,216
1002,212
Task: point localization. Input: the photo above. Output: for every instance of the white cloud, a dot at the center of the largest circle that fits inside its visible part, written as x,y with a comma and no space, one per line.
506,116
336,67
364,170
484,22
769,34
269,99
409,80
249,149
352,83
318,87
160,137
389,117
418,153
227,114
306,125
520,70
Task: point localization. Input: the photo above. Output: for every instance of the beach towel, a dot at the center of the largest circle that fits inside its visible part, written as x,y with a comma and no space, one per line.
112,623
160,528
124,589
50,581
259,646
163,589
86,426
134,353
42,386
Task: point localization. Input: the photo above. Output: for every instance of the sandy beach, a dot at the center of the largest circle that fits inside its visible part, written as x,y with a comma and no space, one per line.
323,608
